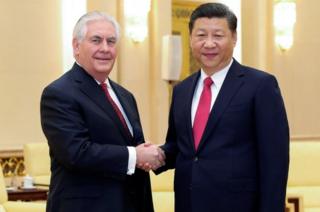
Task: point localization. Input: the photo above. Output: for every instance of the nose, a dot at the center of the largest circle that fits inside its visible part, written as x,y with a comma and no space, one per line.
104,46
209,42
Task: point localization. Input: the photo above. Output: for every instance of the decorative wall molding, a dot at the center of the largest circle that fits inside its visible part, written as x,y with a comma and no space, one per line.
11,152
305,138
12,163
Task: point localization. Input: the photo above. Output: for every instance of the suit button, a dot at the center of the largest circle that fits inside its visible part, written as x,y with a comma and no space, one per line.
196,159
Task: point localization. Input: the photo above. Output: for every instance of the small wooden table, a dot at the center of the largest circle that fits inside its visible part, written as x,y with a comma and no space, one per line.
31,194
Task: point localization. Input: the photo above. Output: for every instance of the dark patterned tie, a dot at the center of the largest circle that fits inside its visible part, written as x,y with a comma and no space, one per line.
116,109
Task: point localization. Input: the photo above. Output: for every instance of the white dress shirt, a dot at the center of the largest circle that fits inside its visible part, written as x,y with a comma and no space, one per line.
132,151
218,79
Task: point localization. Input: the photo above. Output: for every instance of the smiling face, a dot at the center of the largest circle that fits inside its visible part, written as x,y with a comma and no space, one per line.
97,51
212,43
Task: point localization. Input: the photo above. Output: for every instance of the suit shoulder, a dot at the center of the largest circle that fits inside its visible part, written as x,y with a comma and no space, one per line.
187,81
63,82
256,73
258,78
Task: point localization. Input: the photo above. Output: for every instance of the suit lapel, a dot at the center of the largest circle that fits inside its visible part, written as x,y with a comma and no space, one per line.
230,86
91,89
127,107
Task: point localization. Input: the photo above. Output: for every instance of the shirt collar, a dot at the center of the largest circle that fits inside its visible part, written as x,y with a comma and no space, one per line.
107,82
218,77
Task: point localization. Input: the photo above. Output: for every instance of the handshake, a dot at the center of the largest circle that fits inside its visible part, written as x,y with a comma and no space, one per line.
149,156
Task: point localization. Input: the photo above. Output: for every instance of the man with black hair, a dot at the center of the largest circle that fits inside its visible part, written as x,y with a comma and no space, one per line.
228,135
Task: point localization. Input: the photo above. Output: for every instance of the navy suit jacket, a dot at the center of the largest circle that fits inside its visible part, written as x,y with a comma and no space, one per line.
241,164
88,148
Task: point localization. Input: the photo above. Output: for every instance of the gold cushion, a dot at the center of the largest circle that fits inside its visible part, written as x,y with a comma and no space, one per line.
12,206
3,192
312,210
310,194
162,191
37,159
163,201
304,160
163,181
304,174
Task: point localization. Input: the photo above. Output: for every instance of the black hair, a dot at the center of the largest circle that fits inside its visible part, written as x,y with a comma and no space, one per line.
214,10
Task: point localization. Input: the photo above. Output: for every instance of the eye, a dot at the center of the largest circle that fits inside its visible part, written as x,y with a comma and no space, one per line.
111,41
201,35
218,35
96,40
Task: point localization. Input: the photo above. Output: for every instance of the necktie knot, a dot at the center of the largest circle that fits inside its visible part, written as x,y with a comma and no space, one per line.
207,81
103,86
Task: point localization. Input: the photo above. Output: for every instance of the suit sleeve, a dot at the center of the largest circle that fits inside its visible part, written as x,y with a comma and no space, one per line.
170,147
69,138
272,133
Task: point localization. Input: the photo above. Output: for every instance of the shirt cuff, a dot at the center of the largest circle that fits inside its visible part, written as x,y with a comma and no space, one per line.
132,160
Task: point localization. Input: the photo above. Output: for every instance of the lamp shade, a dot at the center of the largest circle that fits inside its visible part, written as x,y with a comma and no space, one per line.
171,61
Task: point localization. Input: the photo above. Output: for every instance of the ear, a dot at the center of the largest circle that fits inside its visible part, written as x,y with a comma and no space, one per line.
75,45
190,40
234,38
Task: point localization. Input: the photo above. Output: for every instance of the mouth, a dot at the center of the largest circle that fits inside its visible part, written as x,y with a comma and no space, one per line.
102,59
210,55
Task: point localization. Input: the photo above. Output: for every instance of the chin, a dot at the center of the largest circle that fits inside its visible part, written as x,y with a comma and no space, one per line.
104,68
210,66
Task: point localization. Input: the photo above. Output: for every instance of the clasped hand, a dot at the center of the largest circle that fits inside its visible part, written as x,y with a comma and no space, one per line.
149,156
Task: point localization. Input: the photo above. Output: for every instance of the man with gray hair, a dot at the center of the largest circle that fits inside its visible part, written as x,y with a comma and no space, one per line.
93,130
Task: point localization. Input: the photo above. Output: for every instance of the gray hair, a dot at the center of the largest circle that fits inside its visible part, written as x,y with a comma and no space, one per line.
80,29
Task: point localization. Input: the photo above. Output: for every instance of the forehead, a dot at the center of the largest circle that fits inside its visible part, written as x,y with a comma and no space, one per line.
100,28
213,23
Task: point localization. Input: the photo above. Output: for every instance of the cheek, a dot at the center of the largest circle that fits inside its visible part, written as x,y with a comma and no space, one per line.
114,52
230,48
76,51
196,48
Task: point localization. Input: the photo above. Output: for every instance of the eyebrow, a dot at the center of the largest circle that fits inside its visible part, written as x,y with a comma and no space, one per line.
101,38
96,36
205,30
112,37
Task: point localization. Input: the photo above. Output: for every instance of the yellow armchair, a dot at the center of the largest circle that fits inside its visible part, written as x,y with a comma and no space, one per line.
11,206
304,174
37,162
162,191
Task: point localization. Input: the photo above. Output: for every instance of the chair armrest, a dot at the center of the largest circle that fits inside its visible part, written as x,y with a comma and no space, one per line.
11,206
297,201
290,207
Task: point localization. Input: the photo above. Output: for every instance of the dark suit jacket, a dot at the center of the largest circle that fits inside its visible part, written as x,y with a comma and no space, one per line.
241,164
88,148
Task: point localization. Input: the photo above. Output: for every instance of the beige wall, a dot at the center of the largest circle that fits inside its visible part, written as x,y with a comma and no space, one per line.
297,70
30,57
160,25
